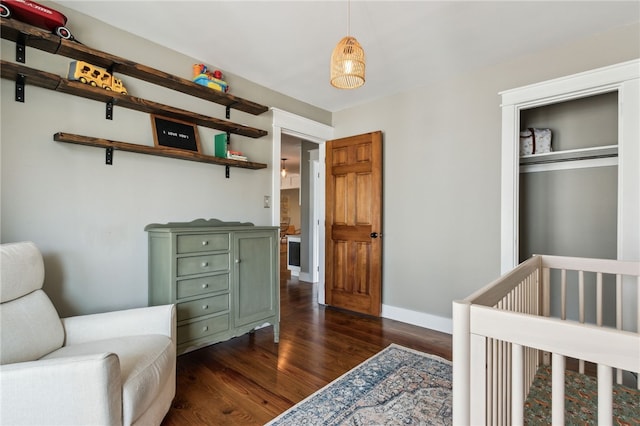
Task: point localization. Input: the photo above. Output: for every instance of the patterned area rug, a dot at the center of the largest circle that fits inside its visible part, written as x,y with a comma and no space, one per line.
580,401
397,386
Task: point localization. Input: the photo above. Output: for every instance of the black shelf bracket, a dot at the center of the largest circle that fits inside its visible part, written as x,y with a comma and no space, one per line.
227,169
109,110
108,160
21,48
20,88
228,112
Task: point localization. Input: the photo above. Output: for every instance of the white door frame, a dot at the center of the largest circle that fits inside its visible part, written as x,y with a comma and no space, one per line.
294,125
623,78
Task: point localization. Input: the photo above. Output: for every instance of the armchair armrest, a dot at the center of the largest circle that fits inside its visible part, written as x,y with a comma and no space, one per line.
62,391
131,322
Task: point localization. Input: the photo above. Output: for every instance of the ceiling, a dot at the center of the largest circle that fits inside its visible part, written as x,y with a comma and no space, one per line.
287,45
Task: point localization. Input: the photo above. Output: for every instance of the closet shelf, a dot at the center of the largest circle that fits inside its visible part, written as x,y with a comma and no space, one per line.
605,151
43,40
152,150
14,71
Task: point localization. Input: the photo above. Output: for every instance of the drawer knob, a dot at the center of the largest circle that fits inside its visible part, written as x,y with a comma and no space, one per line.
204,243
205,307
237,260
205,328
205,285
205,264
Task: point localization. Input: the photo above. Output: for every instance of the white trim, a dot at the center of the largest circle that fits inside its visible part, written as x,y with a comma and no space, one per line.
301,126
622,78
420,319
571,154
576,85
569,165
291,124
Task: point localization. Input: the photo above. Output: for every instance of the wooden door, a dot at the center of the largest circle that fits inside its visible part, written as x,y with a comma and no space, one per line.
353,270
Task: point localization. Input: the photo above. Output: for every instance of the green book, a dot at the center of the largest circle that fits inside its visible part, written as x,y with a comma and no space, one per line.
220,141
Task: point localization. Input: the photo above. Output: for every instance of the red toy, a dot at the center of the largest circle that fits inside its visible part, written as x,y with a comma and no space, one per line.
36,14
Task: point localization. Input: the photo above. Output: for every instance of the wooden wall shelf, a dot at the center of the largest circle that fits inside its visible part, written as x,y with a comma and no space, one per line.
43,40
12,71
152,150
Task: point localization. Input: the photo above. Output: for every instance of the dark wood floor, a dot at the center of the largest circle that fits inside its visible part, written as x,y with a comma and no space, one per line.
250,380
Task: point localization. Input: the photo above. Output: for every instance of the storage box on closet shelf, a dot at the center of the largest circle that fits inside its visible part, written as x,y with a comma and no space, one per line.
535,141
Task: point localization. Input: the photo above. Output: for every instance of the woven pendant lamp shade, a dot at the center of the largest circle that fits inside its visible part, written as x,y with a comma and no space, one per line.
347,64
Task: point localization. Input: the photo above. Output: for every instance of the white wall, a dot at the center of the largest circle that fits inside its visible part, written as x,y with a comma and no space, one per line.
442,173
88,218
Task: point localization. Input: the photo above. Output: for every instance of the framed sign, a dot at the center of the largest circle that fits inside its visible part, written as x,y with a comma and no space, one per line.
172,133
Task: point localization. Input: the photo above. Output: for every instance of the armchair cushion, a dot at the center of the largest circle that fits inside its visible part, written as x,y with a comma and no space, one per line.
22,270
146,365
83,390
31,327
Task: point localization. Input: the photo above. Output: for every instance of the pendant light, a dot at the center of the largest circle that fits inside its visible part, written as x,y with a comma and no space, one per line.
347,61
283,171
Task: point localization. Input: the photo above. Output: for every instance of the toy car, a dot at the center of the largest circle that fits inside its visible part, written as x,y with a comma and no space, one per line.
36,14
95,76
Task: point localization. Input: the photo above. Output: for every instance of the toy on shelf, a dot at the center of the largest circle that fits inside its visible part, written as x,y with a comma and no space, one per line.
36,14
95,76
213,80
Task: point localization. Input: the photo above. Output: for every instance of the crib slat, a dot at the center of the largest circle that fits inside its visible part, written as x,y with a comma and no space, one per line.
581,295
557,389
599,299
619,302
619,324
581,303
517,385
491,396
563,294
605,395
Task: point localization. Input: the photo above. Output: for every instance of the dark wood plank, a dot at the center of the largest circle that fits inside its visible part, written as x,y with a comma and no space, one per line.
249,380
51,81
153,150
44,40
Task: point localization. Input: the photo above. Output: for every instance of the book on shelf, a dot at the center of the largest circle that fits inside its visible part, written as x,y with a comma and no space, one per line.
237,157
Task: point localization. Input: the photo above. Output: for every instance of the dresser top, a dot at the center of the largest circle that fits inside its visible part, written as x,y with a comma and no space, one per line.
198,223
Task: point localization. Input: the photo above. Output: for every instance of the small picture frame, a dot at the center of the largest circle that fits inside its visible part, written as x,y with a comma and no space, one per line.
174,133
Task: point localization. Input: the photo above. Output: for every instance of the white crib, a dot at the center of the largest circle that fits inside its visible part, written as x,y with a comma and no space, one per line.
547,308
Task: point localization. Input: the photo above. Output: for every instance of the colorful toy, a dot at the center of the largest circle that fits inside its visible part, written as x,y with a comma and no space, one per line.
95,76
36,14
213,80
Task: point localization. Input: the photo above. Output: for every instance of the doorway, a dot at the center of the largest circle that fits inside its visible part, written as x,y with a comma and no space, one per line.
296,207
288,126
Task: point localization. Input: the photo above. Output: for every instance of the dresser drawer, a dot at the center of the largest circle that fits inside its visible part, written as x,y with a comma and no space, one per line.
203,264
203,285
204,328
202,242
205,306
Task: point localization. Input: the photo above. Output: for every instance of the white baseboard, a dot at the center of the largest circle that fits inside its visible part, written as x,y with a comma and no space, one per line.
420,319
305,276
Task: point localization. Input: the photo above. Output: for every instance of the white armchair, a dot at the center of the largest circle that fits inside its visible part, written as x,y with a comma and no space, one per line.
116,368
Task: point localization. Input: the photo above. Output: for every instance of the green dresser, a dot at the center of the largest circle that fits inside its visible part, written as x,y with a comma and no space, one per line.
223,277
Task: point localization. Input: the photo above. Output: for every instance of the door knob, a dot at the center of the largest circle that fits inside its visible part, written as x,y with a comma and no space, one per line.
374,235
